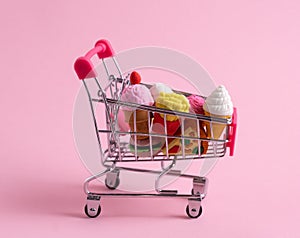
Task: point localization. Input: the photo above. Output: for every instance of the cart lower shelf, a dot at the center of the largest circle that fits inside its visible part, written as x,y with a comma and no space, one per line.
193,210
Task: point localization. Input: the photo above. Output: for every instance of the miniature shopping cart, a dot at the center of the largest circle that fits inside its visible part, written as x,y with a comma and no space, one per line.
118,152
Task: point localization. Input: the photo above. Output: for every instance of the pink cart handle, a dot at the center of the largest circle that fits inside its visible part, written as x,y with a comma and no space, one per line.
84,67
232,133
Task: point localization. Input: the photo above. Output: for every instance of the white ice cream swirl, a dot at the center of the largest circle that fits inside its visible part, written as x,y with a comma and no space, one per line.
219,102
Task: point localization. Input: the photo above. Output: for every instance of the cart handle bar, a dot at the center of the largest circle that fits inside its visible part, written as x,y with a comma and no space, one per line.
232,133
84,67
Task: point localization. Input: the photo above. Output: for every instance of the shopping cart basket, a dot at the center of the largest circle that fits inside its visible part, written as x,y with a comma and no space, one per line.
118,151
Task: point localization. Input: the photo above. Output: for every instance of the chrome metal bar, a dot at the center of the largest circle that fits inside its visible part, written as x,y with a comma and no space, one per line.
112,136
166,135
199,136
108,76
131,158
135,136
163,136
94,119
112,79
162,164
182,137
108,86
105,67
128,156
120,74
115,107
170,112
170,173
200,185
104,99
117,66
91,178
164,171
161,157
150,137
145,195
117,96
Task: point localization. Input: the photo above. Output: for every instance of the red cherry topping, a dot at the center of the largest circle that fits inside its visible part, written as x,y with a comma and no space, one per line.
135,78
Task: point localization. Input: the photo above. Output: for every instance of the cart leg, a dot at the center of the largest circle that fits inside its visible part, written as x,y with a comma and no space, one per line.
194,208
112,180
92,208
164,172
88,180
200,186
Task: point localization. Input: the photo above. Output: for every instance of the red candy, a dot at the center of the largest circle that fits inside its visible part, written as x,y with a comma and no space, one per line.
158,125
135,78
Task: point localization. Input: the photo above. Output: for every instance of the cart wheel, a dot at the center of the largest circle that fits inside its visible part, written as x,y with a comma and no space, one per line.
92,213
193,215
114,186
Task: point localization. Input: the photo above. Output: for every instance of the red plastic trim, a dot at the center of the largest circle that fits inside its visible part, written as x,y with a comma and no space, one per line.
232,133
108,52
84,67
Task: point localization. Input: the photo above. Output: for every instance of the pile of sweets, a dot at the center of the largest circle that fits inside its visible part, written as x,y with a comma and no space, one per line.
217,104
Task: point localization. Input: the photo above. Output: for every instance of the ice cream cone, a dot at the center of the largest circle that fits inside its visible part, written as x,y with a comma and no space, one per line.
142,125
214,129
218,104
137,94
127,115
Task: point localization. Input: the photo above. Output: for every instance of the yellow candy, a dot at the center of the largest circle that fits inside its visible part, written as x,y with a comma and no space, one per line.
174,102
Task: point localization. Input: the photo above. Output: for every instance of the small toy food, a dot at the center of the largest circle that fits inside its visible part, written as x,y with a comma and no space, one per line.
173,102
217,104
196,104
157,88
135,78
143,146
158,125
191,146
138,94
122,125
170,101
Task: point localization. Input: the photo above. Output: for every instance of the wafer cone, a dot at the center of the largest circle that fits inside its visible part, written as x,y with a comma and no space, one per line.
141,122
214,130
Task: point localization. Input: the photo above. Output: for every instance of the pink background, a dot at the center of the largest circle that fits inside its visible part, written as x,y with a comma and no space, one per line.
250,46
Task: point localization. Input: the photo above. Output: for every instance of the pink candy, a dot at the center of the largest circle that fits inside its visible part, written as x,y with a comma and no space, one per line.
196,103
138,94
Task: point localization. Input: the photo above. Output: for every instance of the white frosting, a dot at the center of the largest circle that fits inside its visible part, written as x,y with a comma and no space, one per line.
219,102
157,88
